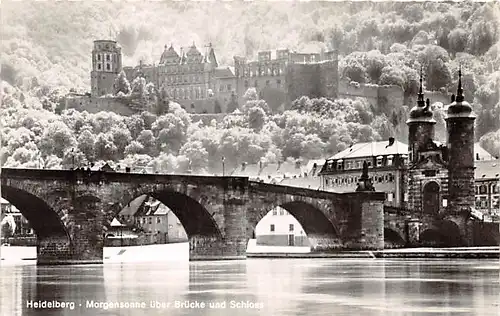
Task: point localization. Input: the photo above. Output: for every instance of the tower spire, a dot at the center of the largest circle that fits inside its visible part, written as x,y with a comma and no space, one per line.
420,100
460,91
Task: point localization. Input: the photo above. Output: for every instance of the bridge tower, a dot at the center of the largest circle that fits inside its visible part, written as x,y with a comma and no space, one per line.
420,125
421,133
460,132
106,65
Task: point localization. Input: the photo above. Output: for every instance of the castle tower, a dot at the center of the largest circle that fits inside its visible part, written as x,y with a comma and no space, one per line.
106,65
460,130
420,125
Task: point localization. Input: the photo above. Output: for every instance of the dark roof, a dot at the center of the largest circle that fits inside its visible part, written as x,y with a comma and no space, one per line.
223,72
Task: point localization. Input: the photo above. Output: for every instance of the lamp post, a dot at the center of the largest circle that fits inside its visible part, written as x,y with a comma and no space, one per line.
223,171
73,158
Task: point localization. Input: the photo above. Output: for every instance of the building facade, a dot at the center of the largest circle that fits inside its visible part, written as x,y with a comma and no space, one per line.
197,82
425,176
280,228
106,65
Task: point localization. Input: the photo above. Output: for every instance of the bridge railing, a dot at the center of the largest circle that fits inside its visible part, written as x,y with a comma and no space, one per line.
277,188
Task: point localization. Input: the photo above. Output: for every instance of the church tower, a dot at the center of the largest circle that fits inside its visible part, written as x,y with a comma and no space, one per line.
106,65
460,131
420,125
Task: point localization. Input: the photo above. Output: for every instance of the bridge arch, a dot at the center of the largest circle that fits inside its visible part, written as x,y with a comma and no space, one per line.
45,221
445,233
317,220
393,238
194,211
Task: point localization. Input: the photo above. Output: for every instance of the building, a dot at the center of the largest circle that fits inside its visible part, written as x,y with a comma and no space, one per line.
425,176
388,163
106,65
195,80
159,223
280,228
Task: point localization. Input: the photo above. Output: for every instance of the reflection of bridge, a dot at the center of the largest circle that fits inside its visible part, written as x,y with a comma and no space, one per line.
70,211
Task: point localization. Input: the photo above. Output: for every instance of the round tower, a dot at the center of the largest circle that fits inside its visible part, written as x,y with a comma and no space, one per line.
106,65
420,124
460,129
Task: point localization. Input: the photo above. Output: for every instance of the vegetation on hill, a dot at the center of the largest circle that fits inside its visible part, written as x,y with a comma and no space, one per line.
46,48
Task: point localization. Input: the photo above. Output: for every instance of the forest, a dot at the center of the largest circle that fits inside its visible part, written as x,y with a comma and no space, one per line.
46,53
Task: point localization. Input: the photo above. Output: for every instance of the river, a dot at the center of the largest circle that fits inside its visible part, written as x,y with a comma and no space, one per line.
255,287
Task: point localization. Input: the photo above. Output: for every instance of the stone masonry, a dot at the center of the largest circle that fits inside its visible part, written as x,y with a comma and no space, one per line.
71,210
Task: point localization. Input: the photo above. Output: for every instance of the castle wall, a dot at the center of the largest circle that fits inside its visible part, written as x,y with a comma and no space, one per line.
95,105
383,98
302,80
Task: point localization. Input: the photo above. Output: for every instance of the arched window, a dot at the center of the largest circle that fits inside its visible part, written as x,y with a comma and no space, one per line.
430,198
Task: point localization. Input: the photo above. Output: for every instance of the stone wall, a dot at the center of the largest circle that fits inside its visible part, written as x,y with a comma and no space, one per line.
219,213
120,106
382,98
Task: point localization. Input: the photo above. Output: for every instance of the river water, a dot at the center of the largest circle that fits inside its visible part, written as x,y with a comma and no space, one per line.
255,287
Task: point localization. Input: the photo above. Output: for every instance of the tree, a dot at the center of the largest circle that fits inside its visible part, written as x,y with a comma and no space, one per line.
197,155
121,84
251,94
56,139
8,226
256,118
86,142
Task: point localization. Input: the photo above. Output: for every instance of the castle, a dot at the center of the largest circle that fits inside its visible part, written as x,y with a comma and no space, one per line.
197,82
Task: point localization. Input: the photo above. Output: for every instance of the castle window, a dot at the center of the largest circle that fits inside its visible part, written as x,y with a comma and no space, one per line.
483,189
339,164
229,87
495,188
379,161
108,66
98,66
275,212
389,196
99,57
282,212
158,220
290,227
389,160
108,57
271,228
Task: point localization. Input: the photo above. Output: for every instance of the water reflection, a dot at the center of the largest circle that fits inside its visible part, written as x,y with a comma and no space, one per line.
257,287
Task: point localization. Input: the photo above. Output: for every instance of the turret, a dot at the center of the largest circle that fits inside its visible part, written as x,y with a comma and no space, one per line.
106,65
420,125
460,129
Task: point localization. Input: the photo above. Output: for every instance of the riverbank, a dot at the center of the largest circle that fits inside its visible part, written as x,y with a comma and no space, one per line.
410,253
180,252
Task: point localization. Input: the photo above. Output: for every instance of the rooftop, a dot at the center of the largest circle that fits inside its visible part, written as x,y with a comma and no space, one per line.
487,169
371,149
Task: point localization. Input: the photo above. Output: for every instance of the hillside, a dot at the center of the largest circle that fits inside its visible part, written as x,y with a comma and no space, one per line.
46,48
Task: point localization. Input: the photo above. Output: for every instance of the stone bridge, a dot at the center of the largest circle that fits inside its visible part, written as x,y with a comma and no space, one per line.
70,211
408,228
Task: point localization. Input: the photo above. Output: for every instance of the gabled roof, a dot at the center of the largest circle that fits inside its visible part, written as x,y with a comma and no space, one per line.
371,149
487,169
250,170
482,153
223,72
